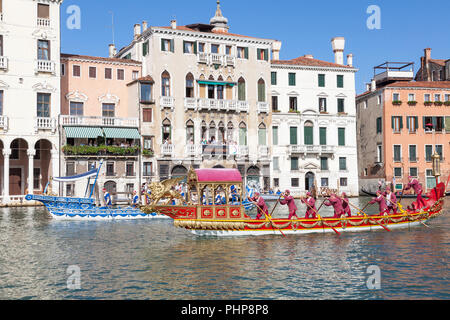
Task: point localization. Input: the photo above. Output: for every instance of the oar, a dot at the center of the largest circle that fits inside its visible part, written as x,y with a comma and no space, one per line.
276,204
268,218
359,212
318,215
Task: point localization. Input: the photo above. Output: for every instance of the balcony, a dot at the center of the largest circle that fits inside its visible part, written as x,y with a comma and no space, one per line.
263,107
45,123
45,66
327,149
43,22
192,150
311,149
190,104
243,151
216,59
243,106
3,63
98,121
4,123
263,151
167,149
167,102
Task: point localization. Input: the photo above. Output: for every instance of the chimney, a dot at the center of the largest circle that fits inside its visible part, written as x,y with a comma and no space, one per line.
309,56
276,48
350,60
112,51
367,86
427,54
144,26
173,24
137,30
338,45
373,85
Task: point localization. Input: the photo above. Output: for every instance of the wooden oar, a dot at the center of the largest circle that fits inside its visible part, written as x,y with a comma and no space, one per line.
318,215
269,218
276,204
359,212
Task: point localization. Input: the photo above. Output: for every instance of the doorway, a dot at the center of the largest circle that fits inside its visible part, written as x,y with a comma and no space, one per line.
309,181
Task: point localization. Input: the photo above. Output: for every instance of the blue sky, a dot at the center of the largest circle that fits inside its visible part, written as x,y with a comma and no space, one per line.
304,27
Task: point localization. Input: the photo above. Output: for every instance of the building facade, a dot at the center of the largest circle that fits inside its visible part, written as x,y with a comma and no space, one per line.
314,124
401,124
29,96
433,69
100,121
208,98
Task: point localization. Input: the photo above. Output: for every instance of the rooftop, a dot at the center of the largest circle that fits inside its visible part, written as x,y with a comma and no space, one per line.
99,59
305,61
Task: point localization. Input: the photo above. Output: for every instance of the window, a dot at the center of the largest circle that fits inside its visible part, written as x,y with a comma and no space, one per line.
340,81
276,163
413,153
447,98
413,172
43,11
201,47
438,149
292,79
437,97
262,139
108,73
379,153
276,182
398,172
43,105
431,180
309,133
273,78
146,92
63,65
130,169
261,91
165,84
262,54
324,182
145,48
438,124
323,136
189,47
341,105
189,86
428,124
379,99
379,125
323,163
76,71
110,169
341,136
411,97
274,103
293,135
92,72
397,124
108,110
343,182
43,50
70,169
147,115
321,80
135,75
427,97
215,48
228,50
120,74
292,103
396,97
428,153
220,94
242,52
167,45
147,169
76,108
1,102
295,182
342,164
294,164
397,153
322,104
412,124
275,135
148,143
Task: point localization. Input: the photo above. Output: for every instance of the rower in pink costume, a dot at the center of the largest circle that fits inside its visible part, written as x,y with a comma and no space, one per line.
311,206
260,205
346,205
391,200
335,202
417,187
290,202
381,202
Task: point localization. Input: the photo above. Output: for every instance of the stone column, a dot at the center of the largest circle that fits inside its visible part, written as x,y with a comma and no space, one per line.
31,153
6,155
55,170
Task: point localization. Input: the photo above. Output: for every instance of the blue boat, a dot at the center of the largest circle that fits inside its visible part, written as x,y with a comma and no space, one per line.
85,208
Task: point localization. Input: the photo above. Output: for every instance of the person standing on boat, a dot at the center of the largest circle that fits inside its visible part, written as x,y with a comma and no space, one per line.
381,202
135,199
310,206
260,204
290,202
346,205
107,197
391,201
417,187
335,202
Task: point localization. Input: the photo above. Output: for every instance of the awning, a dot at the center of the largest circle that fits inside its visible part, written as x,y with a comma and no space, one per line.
83,132
122,133
216,83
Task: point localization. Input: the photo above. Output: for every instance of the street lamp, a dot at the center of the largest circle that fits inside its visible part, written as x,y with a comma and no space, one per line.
436,158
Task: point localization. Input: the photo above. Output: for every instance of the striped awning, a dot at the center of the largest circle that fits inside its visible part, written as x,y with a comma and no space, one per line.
83,132
122,133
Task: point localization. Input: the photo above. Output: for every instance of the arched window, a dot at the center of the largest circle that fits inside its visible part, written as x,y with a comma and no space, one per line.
221,133
204,132
309,133
211,89
262,133
241,90
189,86
166,131
190,138
261,90
165,84
230,133
242,134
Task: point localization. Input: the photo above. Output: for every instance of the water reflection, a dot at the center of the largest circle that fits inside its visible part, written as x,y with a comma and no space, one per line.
153,260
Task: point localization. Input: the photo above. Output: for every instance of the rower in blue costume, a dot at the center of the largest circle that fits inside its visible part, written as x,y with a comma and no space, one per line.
107,197
135,199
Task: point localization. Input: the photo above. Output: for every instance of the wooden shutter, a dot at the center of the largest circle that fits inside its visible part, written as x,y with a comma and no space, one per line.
321,80
340,81
275,135
246,52
147,115
266,54
309,138
43,11
172,45
341,136
323,136
293,135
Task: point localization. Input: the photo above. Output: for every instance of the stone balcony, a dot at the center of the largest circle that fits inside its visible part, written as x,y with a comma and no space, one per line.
167,150
263,151
3,62
216,59
46,66
45,123
311,149
263,107
167,102
4,123
43,22
98,121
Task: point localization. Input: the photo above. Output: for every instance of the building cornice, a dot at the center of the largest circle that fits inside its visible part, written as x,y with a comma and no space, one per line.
312,68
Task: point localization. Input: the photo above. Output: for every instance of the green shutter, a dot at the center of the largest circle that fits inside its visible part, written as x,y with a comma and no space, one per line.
321,80
341,136
447,124
417,122
293,135
340,81
309,138
145,48
262,137
241,91
323,136
266,54
275,135
258,54
172,45
184,46
274,78
379,125
341,105
195,47
246,52
242,136
261,92
292,79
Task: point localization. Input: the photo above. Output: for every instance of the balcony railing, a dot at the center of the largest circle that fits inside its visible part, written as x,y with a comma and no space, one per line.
167,149
243,106
43,22
190,103
312,149
263,107
263,151
44,123
192,150
3,62
216,59
98,121
4,123
167,102
45,66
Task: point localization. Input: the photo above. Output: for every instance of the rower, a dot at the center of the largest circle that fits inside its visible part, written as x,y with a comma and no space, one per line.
391,201
381,202
335,202
260,204
107,198
417,187
290,202
346,205
135,199
311,206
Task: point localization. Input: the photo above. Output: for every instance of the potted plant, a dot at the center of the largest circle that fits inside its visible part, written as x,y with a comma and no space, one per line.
396,102
438,103
447,103
428,103
412,103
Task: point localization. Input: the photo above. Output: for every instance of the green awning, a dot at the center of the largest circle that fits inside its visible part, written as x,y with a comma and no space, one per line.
122,133
215,83
83,132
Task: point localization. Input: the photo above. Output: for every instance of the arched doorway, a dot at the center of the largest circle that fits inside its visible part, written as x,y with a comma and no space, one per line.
111,187
42,164
253,176
179,171
309,181
18,167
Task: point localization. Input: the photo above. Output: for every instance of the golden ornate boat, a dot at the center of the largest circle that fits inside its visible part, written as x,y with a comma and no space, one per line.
197,213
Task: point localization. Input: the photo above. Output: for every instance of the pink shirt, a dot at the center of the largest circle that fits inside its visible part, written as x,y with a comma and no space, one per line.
289,200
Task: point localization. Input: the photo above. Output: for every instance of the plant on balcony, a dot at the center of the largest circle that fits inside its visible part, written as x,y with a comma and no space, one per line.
428,103
412,103
294,111
438,103
397,102
99,150
148,153
447,103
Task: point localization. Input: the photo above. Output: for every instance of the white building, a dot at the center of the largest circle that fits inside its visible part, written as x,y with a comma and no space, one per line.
29,95
314,124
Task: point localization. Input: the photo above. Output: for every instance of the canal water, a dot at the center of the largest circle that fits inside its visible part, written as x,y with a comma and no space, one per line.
151,259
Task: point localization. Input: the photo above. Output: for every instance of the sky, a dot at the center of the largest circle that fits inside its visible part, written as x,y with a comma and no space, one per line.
403,28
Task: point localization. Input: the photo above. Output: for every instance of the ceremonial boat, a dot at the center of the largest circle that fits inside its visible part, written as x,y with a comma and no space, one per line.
87,208
231,219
